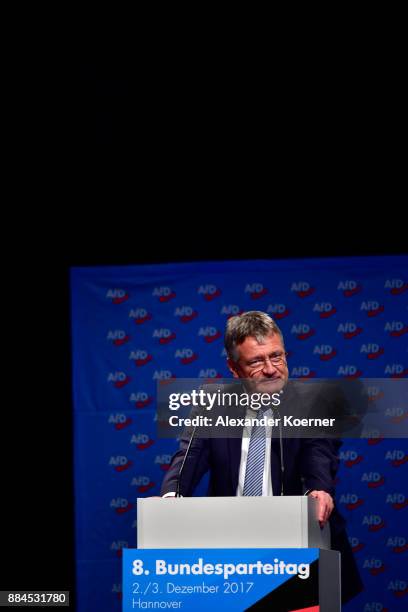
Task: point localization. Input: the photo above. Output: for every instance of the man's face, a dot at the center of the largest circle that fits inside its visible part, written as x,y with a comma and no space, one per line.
264,364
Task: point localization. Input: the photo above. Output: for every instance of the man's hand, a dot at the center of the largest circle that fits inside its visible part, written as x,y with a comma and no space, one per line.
325,506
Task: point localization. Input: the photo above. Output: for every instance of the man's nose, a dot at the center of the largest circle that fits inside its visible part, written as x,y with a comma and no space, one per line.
268,367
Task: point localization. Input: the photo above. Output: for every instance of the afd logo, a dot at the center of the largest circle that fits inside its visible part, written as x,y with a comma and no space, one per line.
355,544
351,501
231,310
395,370
118,545
117,296
395,329
185,355
349,287
349,371
372,308
140,315
372,350
396,286
163,335
120,463
376,566
325,352
209,333
374,393
142,441
325,309
398,587
140,357
119,420
209,373
350,458
278,311
302,331
143,484
185,313
162,375
371,434
302,372
121,505
209,292
373,479
398,501
256,290
302,289
140,399
164,294
374,606
118,379
396,414
117,337
349,330
374,522
163,461
398,544
374,438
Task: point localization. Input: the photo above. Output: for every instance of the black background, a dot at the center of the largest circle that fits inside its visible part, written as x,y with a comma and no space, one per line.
119,174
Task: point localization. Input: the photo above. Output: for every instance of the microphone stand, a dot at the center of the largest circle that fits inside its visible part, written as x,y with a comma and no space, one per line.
183,462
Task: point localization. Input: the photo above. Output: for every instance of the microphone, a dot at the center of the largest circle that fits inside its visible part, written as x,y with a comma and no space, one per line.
201,410
184,461
282,463
281,449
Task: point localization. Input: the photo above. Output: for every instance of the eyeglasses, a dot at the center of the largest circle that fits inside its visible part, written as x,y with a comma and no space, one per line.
259,364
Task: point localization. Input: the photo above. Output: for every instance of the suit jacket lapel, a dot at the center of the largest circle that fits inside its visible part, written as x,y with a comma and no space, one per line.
234,445
234,449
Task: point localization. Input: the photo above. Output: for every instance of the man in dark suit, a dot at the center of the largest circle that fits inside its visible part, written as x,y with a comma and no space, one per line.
295,466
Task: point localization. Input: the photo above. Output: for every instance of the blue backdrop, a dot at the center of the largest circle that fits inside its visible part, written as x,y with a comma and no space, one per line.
133,326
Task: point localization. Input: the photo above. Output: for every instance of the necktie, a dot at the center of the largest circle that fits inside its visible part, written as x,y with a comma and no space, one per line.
256,457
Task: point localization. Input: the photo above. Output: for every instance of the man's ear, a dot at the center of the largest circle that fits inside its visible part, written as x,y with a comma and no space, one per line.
233,368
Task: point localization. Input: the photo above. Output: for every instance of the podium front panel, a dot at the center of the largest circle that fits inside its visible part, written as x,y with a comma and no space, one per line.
229,522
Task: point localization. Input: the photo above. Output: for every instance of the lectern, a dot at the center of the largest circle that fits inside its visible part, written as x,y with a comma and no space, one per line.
230,522
231,553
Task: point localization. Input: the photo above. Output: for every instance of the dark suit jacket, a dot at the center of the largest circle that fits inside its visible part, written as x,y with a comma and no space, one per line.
308,464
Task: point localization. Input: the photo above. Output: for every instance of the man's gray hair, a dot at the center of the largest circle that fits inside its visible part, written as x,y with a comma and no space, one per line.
253,323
